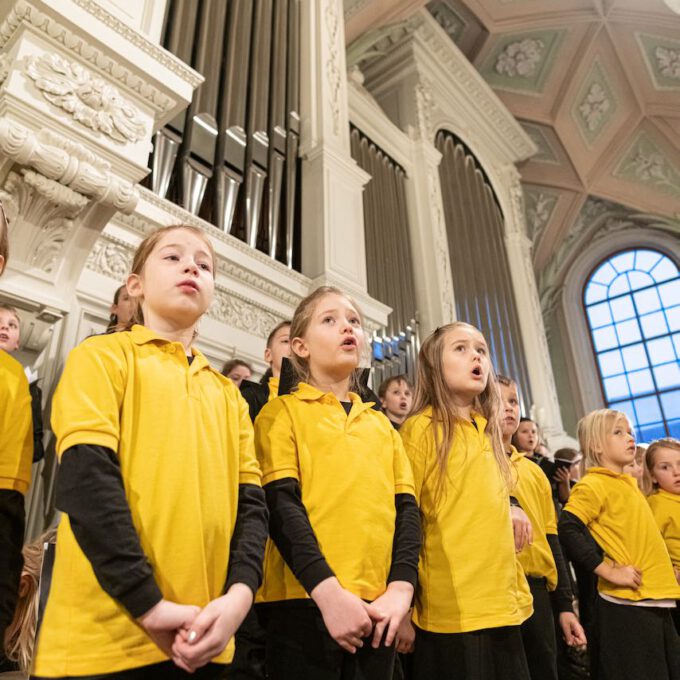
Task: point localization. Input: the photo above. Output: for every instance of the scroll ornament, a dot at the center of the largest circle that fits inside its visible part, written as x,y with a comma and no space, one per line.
89,99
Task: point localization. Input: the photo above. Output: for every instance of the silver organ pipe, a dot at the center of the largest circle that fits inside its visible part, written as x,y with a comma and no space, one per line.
232,157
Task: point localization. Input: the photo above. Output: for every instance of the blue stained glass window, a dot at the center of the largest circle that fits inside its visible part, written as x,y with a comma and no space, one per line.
632,304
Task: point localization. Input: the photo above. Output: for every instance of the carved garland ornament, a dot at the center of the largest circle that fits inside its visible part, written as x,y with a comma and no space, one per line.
89,99
244,315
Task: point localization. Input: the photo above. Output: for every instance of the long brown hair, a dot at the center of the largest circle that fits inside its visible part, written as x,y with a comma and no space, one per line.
300,323
145,249
20,634
649,486
432,390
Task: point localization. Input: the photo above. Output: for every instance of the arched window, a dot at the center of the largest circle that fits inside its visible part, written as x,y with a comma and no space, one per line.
632,303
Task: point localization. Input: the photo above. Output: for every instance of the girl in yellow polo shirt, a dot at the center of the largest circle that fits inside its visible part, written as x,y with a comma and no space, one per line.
634,635
472,595
661,483
158,553
342,561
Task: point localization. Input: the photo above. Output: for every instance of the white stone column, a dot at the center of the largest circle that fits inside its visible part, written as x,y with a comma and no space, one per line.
545,408
333,246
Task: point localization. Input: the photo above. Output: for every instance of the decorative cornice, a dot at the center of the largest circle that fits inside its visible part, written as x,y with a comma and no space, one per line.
163,57
66,162
89,99
24,12
110,257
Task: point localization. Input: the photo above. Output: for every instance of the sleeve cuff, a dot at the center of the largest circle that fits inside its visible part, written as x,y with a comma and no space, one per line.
403,572
142,597
246,575
313,574
561,604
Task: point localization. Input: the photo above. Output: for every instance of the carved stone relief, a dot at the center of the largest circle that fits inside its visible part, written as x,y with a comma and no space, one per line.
41,213
237,312
89,99
521,58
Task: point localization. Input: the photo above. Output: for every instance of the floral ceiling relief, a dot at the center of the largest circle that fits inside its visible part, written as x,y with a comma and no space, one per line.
520,58
539,206
668,62
662,55
645,163
522,62
595,104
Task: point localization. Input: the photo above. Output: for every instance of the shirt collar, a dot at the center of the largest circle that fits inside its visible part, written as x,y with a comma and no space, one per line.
478,417
307,392
667,494
141,335
606,472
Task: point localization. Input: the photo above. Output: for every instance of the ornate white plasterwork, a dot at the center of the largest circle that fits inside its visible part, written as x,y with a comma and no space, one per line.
66,162
238,312
441,246
668,62
332,20
41,213
520,58
24,12
111,257
88,98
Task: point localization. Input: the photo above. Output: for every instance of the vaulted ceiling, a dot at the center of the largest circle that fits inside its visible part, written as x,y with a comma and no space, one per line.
595,84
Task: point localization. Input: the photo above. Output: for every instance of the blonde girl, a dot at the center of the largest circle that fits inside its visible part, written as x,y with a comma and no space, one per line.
342,562
158,551
634,635
472,595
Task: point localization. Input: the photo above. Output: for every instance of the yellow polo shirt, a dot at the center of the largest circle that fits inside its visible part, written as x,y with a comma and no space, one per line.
469,577
621,521
16,426
349,468
273,385
185,443
666,510
532,490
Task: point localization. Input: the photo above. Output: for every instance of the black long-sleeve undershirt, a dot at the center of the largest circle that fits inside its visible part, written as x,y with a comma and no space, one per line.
292,532
579,546
562,598
90,491
12,519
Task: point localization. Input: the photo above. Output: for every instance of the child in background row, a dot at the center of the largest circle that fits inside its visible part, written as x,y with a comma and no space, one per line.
396,397
634,634
472,596
277,349
121,310
16,455
542,561
636,468
344,524
237,371
661,483
160,545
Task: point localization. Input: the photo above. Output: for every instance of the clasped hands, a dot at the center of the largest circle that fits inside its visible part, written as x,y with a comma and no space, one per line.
191,636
